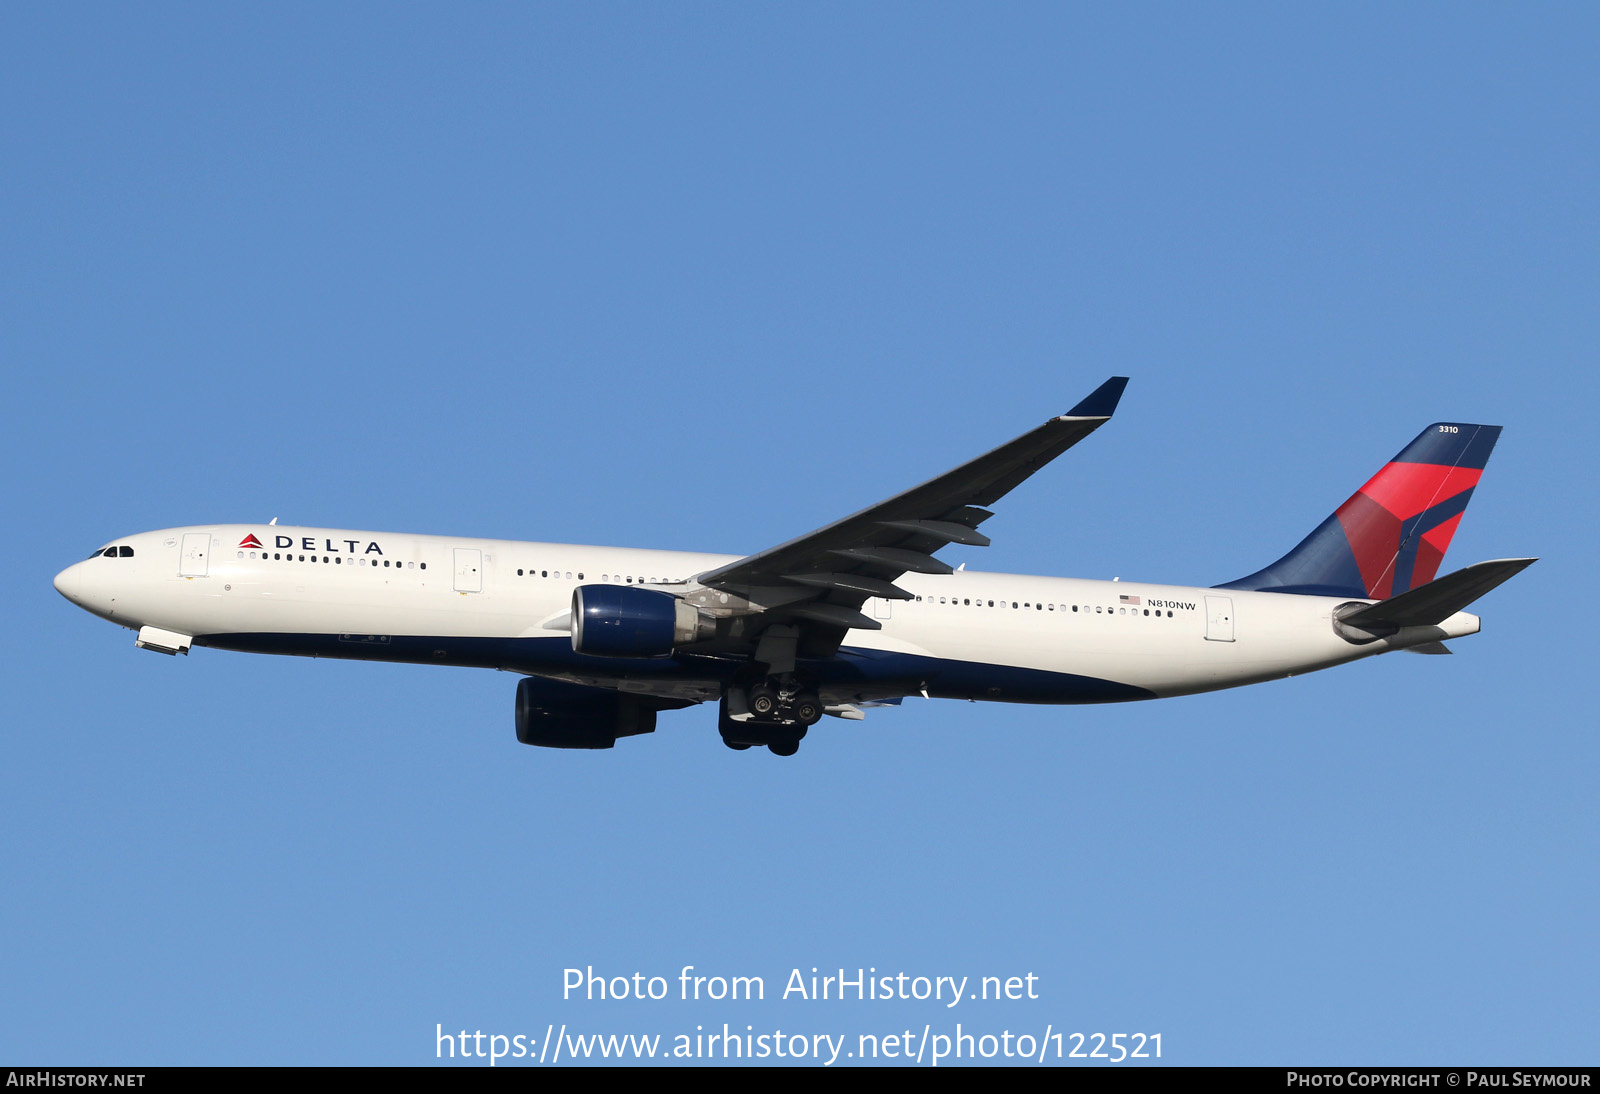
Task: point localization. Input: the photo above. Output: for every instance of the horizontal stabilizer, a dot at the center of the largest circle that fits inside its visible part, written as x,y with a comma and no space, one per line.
1437,601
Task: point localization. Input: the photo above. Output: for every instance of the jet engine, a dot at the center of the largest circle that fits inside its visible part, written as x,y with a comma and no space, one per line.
560,715
627,621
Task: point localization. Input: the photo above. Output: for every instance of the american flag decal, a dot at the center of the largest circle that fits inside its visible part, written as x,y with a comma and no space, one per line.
1128,599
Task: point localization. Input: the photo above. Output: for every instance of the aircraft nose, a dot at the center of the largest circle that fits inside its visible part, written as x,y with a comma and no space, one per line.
69,583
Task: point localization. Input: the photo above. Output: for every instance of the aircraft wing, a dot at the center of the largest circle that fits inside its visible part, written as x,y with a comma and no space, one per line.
821,579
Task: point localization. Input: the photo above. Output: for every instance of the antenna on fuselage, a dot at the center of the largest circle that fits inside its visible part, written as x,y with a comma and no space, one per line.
271,522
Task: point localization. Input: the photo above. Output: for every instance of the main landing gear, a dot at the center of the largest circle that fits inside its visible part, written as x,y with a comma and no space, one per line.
774,711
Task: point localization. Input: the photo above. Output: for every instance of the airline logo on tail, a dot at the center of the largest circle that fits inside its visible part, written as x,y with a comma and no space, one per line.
1391,535
1400,524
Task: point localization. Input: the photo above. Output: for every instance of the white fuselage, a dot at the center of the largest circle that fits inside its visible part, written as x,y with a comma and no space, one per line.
378,596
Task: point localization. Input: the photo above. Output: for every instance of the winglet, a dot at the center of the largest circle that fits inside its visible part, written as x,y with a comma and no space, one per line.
1101,402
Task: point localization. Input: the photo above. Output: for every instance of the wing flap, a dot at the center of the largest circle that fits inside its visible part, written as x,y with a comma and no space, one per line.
852,583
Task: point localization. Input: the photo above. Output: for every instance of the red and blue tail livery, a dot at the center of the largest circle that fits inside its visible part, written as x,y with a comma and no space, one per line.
1391,535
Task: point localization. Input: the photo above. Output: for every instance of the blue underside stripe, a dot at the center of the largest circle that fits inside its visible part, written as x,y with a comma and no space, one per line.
945,679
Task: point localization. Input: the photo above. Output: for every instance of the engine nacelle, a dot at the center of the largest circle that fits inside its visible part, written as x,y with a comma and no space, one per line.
627,621
558,715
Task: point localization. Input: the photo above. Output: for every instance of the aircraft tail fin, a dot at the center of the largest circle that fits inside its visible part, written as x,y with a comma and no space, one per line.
1391,535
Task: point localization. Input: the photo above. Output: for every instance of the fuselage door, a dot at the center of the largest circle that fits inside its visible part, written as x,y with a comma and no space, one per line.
1219,619
196,548
469,570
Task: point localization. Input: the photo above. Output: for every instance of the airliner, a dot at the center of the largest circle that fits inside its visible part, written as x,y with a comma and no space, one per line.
854,615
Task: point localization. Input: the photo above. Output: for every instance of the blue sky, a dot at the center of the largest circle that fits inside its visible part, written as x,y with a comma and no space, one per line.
707,276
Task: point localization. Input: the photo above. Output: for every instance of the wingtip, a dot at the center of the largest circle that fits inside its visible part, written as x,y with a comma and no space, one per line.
1102,401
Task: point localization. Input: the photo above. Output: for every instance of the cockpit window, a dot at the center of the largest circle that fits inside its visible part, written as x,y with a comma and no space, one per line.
125,552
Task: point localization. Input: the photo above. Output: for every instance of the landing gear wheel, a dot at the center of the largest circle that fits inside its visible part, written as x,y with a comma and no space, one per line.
763,702
807,710
784,748
735,745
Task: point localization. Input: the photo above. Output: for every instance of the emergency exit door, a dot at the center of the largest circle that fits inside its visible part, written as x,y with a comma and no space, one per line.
469,570
196,551
1219,619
